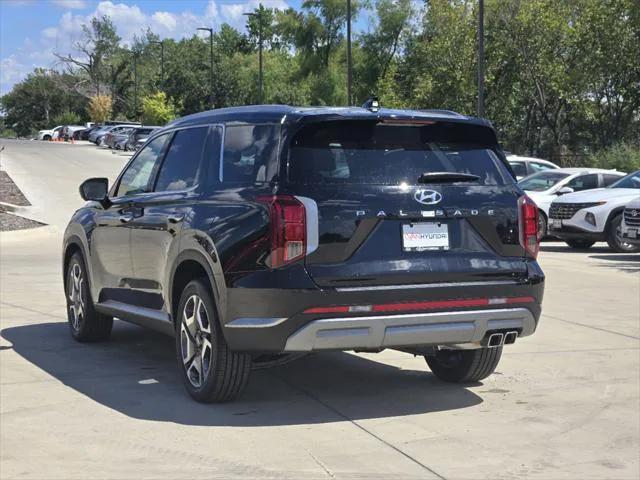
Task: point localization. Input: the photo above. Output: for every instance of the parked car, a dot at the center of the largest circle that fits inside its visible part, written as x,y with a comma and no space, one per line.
583,218
272,230
137,137
544,187
117,133
525,166
96,135
85,133
67,131
77,135
630,226
49,134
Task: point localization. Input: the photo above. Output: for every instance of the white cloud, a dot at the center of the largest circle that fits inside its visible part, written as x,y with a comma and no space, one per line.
129,19
73,4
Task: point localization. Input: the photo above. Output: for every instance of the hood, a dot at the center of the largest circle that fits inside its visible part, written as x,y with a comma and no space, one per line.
622,195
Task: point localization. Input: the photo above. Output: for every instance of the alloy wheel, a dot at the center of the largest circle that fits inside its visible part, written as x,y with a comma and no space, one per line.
76,300
195,341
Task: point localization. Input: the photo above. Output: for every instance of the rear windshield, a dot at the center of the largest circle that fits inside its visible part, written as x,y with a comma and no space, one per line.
365,152
541,181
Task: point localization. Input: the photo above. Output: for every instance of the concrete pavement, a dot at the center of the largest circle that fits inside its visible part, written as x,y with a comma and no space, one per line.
562,404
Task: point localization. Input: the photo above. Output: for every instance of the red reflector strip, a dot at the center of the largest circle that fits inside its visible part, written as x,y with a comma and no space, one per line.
432,305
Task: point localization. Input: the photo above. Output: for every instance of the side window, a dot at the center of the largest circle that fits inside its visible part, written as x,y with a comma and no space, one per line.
182,161
519,168
250,153
584,182
538,167
137,176
608,179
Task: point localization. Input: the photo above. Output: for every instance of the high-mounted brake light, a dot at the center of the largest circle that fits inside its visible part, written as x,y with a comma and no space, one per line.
528,223
288,228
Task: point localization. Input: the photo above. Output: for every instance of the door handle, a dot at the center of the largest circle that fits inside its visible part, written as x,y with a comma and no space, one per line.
175,218
126,217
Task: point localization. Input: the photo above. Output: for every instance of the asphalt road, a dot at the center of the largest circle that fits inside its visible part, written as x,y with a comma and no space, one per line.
563,403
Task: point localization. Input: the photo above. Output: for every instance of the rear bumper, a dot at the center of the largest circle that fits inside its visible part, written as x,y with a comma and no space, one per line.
426,329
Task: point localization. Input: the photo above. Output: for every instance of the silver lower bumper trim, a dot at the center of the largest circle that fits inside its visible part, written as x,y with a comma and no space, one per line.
442,328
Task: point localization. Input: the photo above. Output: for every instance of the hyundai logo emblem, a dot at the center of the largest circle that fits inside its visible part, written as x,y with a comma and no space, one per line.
634,213
427,197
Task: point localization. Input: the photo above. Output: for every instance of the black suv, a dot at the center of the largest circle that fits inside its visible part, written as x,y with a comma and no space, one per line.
253,233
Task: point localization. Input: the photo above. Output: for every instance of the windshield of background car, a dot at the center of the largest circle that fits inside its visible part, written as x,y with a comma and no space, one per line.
541,181
368,152
630,181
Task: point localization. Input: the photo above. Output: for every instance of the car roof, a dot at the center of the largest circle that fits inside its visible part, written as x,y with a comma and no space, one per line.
519,158
290,114
574,170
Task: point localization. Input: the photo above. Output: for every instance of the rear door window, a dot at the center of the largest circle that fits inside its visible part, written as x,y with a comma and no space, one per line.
584,182
365,152
250,153
519,168
179,170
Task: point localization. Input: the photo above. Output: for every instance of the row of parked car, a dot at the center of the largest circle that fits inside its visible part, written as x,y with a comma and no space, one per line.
583,205
116,135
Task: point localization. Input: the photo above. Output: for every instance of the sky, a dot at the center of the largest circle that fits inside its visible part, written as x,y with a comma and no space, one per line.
32,30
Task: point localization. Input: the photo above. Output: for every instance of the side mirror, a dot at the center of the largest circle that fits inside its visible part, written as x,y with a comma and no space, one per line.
565,190
95,189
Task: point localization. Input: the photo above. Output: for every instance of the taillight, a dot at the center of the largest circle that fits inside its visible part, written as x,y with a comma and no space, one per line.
528,223
288,228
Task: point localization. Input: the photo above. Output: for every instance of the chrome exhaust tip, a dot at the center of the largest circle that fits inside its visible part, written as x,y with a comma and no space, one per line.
495,340
510,337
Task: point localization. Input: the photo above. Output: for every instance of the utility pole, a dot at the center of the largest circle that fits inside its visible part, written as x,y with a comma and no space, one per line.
210,30
258,15
135,84
161,43
480,58
349,74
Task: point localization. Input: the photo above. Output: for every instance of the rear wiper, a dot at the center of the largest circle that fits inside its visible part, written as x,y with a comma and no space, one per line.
435,177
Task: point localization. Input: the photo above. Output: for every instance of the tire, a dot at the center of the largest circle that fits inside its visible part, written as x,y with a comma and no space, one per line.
615,241
211,372
85,324
47,138
542,225
579,244
464,366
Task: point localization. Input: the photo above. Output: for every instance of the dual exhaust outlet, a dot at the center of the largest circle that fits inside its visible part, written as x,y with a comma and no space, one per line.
498,339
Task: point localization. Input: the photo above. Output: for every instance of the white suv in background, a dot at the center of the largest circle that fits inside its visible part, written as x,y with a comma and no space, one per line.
49,134
630,227
525,166
583,218
544,187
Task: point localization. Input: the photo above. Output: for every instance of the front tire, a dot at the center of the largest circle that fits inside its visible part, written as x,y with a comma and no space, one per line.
579,244
211,372
464,366
615,241
85,324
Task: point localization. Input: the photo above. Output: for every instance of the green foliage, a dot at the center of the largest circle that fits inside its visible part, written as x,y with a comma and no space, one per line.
156,109
100,108
67,118
620,156
562,77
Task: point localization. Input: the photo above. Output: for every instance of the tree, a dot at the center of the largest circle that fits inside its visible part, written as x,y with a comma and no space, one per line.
67,118
100,108
156,110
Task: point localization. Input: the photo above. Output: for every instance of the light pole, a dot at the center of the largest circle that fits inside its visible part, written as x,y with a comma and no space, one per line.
135,83
161,43
349,77
260,81
480,58
210,30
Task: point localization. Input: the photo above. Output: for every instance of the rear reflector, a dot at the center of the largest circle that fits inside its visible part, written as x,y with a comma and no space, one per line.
413,306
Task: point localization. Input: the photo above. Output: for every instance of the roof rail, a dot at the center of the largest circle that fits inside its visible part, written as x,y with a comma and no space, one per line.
439,110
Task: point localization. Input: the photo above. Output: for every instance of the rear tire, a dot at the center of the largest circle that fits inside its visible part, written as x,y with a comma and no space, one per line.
211,372
615,241
579,244
464,366
85,324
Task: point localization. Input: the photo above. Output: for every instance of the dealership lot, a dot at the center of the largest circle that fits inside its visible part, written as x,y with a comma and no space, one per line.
563,404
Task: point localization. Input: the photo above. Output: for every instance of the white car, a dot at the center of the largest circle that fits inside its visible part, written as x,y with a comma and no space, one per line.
583,218
630,227
49,134
544,187
525,166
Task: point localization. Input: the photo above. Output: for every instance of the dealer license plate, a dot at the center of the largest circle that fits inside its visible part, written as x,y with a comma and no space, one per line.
418,237
556,223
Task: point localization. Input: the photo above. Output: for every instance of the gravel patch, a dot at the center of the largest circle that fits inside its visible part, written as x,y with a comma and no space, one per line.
9,191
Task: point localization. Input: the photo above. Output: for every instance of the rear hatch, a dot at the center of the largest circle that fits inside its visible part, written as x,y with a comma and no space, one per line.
406,204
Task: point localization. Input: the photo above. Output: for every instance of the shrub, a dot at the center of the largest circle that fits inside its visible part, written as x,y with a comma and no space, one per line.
67,118
157,110
621,156
100,108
